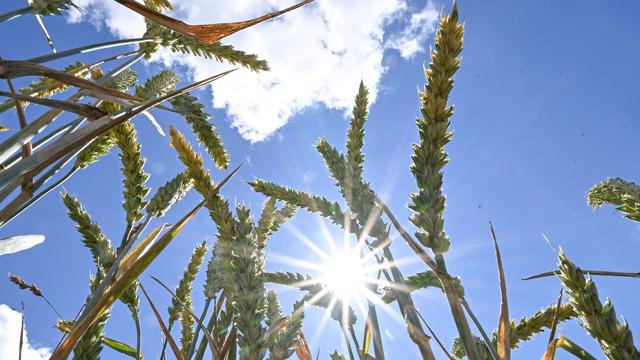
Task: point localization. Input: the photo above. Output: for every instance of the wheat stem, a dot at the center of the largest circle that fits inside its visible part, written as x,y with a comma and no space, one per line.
587,272
483,333
199,327
88,48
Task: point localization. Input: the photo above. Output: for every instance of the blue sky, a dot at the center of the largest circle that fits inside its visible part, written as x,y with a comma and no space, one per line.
546,106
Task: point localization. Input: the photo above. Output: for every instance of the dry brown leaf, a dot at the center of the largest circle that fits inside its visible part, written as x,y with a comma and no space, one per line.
302,348
551,350
209,33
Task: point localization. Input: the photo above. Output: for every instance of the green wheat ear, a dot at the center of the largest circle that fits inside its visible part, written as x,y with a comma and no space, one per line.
247,262
51,7
158,85
598,319
135,177
625,195
217,206
92,236
158,5
430,156
300,199
283,341
98,148
123,81
193,113
529,326
192,161
184,288
168,194
184,297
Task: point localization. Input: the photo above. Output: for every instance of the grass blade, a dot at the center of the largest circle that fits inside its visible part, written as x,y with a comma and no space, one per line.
504,330
167,334
573,348
120,347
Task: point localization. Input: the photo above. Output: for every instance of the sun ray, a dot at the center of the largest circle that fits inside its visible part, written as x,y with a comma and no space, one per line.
308,242
287,260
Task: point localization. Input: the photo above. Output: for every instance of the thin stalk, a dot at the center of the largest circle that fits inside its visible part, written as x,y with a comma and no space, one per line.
192,347
21,335
125,236
164,343
440,269
483,333
136,320
433,334
208,336
347,344
458,314
587,272
14,14
89,48
140,229
355,342
408,310
372,318
122,67
210,326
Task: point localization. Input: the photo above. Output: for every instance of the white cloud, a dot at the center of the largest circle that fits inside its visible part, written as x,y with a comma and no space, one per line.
10,324
411,40
318,54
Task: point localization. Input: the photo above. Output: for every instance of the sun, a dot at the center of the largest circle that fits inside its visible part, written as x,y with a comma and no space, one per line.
344,275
